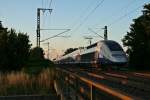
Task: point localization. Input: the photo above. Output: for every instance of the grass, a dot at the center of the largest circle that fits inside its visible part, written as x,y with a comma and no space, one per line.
21,83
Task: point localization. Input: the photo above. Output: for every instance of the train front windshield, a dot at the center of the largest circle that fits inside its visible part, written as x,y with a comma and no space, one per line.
113,46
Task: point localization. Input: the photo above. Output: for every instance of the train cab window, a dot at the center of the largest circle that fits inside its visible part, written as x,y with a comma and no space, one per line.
113,46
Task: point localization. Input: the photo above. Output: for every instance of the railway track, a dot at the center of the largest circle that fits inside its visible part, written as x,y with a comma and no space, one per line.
132,83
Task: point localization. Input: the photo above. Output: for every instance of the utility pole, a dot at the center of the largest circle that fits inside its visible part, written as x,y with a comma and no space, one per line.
47,49
105,37
38,23
105,33
90,39
95,33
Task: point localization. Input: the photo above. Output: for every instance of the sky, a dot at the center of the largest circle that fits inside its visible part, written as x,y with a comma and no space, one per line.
77,15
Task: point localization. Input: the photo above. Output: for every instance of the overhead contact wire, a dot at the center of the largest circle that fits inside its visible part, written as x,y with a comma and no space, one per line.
122,8
86,18
123,16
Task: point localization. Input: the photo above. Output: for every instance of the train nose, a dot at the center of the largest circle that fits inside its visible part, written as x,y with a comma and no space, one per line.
119,58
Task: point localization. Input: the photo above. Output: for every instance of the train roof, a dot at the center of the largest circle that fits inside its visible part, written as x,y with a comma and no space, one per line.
113,45
101,41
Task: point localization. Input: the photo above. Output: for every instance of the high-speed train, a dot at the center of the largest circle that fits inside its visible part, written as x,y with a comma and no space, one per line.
105,52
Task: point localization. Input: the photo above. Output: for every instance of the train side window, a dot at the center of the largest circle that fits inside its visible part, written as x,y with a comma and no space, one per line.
91,46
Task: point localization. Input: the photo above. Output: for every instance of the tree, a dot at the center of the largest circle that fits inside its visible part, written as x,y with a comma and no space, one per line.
14,49
36,54
70,50
37,62
137,41
3,47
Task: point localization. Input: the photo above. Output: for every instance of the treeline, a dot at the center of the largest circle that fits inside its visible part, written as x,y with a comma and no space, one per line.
69,50
36,61
16,53
137,41
14,49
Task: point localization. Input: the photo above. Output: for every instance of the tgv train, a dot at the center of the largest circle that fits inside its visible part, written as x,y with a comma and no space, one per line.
105,52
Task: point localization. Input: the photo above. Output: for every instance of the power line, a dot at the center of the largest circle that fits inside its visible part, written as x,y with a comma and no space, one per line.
122,8
43,12
86,18
95,33
92,11
56,35
50,3
54,29
44,5
129,4
82,14
125,15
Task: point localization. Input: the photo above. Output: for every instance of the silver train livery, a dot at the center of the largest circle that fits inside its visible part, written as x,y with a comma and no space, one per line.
105,52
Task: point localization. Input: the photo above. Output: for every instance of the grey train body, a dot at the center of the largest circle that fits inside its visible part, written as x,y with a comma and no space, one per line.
106,52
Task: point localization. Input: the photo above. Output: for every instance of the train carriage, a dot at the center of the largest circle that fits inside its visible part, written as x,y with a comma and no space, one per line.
106,52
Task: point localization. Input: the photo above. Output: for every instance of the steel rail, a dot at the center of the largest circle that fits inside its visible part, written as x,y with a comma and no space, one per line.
99,86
